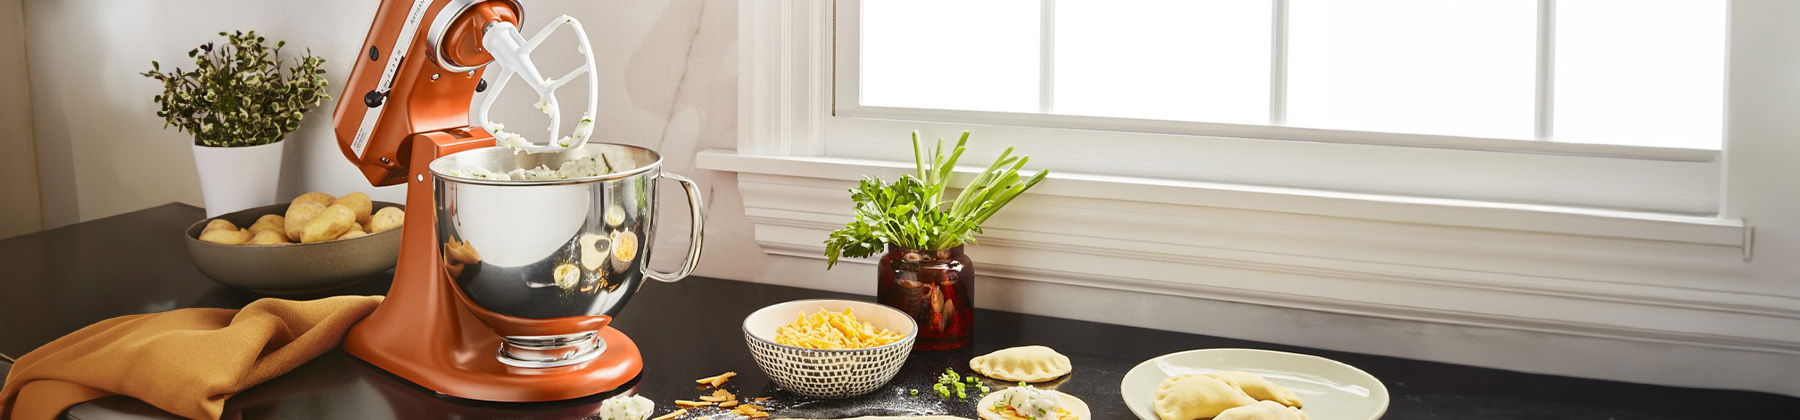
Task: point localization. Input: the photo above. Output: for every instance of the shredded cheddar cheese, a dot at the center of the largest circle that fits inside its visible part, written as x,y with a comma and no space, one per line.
828,330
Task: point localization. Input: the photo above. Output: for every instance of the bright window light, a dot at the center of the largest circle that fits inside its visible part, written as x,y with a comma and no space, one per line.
945,54
1164,59
1625,72
1640,72
1462,68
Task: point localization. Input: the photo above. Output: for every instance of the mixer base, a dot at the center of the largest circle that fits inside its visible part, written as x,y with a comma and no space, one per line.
553,351
485,378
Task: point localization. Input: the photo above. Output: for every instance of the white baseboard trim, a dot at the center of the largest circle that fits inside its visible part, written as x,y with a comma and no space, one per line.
1522,350
1643,279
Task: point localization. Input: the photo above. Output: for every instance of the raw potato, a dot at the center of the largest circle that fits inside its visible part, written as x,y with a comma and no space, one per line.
271,222
227,237
358,203
269,237
387,219
298,215
356,230
329,224
314,197
310,218
217,224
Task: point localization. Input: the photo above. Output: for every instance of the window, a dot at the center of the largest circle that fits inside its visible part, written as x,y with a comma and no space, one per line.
1646,73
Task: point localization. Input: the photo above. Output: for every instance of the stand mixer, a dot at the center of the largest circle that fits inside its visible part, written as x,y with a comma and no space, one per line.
506,289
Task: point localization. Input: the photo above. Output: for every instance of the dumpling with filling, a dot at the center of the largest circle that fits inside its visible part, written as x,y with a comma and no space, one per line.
1258,387
1263,410
1026,402
1190,397
1028,364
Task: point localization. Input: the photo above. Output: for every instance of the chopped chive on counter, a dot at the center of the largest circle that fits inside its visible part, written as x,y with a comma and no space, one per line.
951,382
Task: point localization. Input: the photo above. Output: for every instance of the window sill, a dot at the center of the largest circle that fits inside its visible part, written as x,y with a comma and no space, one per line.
1604,273
1561,220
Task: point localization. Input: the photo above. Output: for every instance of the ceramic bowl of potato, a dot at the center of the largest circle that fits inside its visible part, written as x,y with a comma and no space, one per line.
337,241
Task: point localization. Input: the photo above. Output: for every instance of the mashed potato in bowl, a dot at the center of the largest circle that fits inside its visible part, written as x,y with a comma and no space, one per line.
578,168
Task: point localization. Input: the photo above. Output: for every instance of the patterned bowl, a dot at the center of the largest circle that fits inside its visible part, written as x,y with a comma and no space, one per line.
828,373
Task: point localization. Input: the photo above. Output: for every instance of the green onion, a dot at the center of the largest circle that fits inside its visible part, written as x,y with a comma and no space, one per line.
950,382
911,212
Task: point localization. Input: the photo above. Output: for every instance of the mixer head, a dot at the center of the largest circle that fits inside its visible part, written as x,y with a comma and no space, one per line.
422,67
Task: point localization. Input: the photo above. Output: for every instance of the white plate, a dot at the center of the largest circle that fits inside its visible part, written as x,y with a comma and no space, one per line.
1330,390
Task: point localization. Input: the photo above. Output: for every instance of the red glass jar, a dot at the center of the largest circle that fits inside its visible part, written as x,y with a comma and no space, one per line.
936,287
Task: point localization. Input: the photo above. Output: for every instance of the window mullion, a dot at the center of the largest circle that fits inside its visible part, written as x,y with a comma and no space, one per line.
1278,64
1546,70
1047,56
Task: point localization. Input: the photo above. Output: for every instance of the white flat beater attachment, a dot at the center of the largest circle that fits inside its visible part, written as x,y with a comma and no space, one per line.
512,57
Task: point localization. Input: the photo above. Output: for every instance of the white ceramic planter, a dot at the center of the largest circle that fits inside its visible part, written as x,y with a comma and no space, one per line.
237,178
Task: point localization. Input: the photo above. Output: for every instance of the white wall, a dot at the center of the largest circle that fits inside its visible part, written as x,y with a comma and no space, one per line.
668,78
667,72
19,205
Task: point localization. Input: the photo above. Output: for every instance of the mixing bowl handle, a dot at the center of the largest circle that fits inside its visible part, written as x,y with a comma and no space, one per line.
698,214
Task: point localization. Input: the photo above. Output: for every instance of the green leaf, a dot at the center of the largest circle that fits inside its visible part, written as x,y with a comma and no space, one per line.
911,211
239,92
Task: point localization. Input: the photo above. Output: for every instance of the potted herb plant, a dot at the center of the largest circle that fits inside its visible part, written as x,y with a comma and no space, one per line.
239,101
925,272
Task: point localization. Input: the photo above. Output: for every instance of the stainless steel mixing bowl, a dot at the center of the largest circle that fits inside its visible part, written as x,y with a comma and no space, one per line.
526,254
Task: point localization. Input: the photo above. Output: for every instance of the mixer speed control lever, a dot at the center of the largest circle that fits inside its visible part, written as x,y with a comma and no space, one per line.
374,98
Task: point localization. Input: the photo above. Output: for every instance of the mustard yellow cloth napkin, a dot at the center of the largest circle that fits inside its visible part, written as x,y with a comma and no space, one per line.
185,361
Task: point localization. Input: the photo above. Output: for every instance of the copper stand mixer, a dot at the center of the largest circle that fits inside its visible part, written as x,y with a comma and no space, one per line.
504,291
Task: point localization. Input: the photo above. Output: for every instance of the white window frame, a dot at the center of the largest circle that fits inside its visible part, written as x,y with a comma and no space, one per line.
1653,179
795,104
847,102
794,51
1228,220
1489,170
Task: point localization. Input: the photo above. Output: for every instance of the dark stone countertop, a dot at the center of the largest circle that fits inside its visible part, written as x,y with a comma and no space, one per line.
59,280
